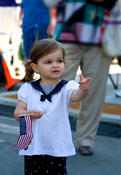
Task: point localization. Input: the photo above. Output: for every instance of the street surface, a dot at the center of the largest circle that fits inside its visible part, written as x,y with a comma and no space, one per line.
105,161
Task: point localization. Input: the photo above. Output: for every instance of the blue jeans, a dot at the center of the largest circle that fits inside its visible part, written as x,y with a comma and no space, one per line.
30,35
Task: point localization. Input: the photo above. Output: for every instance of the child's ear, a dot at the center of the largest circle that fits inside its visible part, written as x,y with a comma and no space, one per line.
35,67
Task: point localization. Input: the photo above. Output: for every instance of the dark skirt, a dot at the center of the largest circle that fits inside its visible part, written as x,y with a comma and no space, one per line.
44,165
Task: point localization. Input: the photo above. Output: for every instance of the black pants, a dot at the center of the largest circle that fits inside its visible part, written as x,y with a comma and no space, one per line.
44,165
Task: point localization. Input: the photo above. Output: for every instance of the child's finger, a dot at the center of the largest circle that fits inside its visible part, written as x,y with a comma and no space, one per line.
81,77
88,79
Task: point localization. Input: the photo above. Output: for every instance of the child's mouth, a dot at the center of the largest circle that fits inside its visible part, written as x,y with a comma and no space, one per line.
56,71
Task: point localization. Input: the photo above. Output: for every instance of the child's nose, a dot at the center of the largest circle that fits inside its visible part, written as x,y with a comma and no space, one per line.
55,64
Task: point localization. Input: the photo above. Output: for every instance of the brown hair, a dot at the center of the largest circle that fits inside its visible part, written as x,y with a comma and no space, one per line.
40,49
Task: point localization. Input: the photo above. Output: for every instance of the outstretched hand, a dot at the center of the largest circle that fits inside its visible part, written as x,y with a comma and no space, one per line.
84,83
80,93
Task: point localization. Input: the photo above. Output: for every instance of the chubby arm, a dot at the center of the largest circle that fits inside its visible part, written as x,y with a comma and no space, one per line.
80,93
21,109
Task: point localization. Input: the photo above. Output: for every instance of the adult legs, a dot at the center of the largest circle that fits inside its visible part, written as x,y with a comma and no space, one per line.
42,31
95,65
73,57
28,40
30,35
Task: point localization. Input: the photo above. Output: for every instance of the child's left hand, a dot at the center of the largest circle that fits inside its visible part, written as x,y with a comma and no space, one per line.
84,84
36,114
80,93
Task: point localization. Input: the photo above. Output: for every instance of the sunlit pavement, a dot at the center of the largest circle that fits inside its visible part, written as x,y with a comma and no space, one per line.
106,159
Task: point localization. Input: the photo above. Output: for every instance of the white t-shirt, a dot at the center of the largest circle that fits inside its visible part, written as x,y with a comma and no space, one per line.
52,132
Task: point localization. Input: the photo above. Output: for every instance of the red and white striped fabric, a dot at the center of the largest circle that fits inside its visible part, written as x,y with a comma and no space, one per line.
26,133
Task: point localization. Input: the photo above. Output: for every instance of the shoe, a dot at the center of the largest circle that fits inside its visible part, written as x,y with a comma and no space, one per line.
86,150
118,94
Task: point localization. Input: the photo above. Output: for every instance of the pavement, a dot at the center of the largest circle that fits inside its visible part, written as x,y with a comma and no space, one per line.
106,159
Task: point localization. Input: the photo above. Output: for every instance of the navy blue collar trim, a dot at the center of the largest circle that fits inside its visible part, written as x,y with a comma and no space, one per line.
36,85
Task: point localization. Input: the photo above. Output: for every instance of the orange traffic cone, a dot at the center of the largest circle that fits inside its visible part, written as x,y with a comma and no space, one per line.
9,80
53,23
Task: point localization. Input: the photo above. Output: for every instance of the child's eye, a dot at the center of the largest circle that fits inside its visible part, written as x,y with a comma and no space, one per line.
48,62
60,60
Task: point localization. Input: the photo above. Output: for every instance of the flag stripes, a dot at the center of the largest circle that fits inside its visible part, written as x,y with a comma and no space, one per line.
26,133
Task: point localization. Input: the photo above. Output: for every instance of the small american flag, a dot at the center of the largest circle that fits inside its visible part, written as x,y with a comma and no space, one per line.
26,134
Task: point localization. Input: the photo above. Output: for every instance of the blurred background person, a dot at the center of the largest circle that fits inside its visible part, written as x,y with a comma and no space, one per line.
35,18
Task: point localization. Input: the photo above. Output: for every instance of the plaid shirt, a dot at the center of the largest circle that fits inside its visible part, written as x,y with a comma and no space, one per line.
81,22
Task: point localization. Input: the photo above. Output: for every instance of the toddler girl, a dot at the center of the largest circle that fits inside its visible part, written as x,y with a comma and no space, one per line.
47,101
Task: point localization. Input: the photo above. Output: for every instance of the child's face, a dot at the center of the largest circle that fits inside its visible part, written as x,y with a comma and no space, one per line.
51,67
